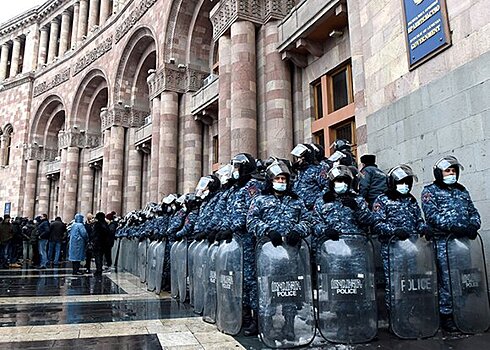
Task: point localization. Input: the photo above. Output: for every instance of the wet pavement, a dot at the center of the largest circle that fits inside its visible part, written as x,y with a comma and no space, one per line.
51,309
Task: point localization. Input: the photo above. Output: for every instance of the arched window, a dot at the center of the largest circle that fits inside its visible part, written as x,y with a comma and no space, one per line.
6,140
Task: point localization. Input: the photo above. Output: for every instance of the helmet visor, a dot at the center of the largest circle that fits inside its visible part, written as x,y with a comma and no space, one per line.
169,199
340,171
336,156
448,162
402,171
277,168
299,150
224,173
202,185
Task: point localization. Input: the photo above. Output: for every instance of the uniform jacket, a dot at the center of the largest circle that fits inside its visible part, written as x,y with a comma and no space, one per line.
372,183
308,184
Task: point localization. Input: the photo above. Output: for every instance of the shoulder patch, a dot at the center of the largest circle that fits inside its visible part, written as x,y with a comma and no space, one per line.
426,197
376,206
253,190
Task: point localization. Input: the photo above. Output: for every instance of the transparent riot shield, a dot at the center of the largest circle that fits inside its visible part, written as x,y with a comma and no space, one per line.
190,270
149,257
286,313
124,254
115,253
159,255
142,251
229,274
152,262
469,285
134,256
379,277
414,310
174,281
209,311
181,257
347,310
200,255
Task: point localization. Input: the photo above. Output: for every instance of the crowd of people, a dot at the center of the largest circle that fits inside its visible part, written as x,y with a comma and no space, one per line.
316,197
43,244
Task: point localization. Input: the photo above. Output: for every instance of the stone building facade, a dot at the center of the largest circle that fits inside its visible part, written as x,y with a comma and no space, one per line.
109,104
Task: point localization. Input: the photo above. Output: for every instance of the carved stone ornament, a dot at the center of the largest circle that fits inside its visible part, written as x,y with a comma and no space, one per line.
78,139
92,56
58,79
135,15
169,78
128,117
227,12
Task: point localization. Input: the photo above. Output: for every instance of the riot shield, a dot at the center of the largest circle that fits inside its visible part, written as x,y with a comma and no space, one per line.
379,277
115,253
181,257
149,257
124,254
159,256
469,285
286,312
209,277
414,310
347,310
200,255
134,256
142,250
190,270
174,281
152,262
229,274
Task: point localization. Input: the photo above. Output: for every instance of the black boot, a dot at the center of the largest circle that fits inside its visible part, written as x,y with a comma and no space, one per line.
447,323
252,328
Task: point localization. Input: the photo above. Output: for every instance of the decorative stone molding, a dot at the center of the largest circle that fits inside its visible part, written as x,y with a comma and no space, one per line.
18,80
128,117
133,18
195,79
169,78
226,12
78,139
92,56
58,79
34,153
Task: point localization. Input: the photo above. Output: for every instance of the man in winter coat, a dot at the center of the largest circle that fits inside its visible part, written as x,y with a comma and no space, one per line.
56,236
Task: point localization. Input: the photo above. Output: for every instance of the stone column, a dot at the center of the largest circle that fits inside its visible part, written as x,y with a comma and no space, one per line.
278,108
30,188
116,167
53,40
14,66
61,197
133,179
105,11
82,20
43,47
74,27
155,148
243,89
87,183
71,183
4,56
192,146
42,194
167,172
30,55
105,169
65,32
93,16
224,112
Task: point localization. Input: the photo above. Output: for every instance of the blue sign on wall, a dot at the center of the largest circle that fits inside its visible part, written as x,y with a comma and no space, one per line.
426,28
6,210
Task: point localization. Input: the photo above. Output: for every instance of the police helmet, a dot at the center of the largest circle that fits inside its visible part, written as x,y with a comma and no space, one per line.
304,151
445,163
341,145
319,151
399,173
278,167
224,173
340,172
245,164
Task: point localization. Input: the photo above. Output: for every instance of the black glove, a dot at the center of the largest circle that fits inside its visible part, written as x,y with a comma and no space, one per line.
459,231
199,237
211,237
401,233
472,234
332,234
275,237
226,235
329,196
427,233
350,202
293,238
178,238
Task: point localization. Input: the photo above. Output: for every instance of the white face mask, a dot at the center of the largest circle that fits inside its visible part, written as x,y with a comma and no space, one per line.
236,174
403,188
340,187
450,179
279,187
205,194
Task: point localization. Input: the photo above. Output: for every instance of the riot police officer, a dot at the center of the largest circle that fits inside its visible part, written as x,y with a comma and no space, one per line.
208,191
448,209
397,214
307,185
280,215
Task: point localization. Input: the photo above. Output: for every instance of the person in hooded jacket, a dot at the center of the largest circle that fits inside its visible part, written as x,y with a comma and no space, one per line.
448,210
397,214
102,241
279,214
78,240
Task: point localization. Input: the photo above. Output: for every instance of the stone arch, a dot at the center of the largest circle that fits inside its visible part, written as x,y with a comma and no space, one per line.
43,117
139,56
189,35
92,95
6,143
